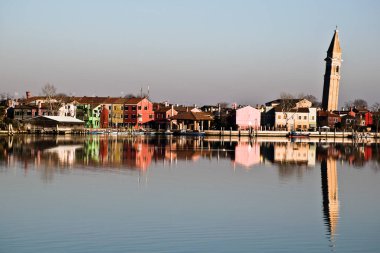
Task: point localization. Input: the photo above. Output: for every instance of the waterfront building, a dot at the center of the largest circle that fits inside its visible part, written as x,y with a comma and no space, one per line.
332,75
116,112
89,110
196,121
55,124
289,114
247,117
162,117
138,112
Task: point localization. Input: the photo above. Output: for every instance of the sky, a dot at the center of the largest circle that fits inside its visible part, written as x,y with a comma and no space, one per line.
188,52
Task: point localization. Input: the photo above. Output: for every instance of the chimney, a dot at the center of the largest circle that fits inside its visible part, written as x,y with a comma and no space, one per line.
28,94
172,110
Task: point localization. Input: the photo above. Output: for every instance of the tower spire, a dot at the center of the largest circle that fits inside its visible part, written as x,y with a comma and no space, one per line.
332,74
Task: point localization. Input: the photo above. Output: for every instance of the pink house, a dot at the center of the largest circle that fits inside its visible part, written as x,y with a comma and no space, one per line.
247,155
248,117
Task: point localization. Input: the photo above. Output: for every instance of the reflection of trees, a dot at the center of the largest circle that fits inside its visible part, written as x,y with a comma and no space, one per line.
137,153
356,155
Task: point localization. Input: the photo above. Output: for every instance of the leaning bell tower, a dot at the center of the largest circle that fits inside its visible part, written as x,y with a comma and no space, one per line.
332,75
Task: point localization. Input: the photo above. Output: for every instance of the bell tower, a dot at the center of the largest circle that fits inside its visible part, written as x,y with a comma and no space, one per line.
332,75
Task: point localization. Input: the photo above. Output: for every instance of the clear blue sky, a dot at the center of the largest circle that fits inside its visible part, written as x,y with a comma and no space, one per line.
188,51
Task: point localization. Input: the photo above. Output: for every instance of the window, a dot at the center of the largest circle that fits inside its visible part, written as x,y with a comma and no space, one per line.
133,116
134,108
312,117
299,117
145,108
126,116
151,116
337,69
279,117
114,108
304,117
125,108
110,107
139,107
304,126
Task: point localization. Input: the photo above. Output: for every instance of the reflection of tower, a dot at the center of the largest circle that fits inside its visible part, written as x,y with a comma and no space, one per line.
329,176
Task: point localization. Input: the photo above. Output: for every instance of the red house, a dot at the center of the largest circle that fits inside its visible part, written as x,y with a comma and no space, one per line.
104,117
138,112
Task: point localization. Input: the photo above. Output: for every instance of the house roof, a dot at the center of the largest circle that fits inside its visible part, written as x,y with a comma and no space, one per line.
280,100
133,101
327,114
164,109
182,108
60,119
92,100
192,116
295,110
26,107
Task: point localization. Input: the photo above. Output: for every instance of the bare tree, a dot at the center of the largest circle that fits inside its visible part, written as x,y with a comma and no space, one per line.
376,115
287,103
223,105
357,103
375,107
312,99
54,100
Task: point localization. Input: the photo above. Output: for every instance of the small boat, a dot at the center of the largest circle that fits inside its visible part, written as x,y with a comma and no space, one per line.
193,133
168,132
294,134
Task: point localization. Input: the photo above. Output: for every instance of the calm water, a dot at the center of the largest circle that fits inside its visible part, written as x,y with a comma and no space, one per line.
108,194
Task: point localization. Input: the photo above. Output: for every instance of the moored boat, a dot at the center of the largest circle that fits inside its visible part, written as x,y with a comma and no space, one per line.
295,134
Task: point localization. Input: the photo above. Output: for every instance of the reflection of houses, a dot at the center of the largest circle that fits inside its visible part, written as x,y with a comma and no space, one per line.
329,177
65,153
295,153
247,154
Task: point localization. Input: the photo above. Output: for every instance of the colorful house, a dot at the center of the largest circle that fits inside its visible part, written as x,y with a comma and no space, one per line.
138,112
162,117
116,112
247,117
89,110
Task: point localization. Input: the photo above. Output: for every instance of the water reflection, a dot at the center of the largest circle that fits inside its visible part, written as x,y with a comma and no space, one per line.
52,154
139,153
329,176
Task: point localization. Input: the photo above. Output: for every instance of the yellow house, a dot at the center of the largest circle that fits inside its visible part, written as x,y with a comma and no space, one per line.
116,112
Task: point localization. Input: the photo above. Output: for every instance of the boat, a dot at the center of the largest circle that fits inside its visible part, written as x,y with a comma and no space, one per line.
295,134
168,132
193,133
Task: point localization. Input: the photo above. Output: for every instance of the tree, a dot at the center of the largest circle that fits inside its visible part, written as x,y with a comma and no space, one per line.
287,103
312,99
375,107
376,115
49,91
357,103
54,99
